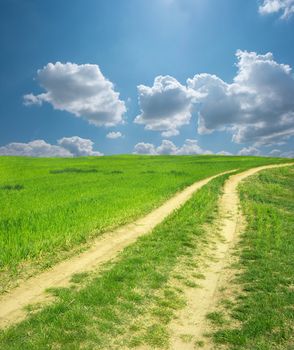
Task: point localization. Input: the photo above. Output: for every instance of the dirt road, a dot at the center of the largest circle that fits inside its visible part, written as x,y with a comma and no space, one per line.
192,319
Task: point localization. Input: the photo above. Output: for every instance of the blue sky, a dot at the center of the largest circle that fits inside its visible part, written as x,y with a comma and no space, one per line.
130,43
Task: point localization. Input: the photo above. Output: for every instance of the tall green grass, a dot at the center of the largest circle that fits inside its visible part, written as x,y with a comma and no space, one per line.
263,313
49,206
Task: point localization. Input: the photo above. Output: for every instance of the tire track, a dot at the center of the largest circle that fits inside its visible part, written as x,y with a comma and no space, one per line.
192,319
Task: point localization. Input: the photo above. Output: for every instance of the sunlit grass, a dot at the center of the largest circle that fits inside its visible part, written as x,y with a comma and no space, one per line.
49,206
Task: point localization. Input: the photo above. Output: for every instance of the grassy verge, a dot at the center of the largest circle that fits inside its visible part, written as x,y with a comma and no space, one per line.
108,311
261,315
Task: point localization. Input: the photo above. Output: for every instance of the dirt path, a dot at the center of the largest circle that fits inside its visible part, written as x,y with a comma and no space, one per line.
191,322
103,249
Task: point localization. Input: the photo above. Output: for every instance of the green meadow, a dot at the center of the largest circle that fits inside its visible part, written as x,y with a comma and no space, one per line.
49,206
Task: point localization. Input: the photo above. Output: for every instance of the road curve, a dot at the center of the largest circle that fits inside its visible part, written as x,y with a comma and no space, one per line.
103,249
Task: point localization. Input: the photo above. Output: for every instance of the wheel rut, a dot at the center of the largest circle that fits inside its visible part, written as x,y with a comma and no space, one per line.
200,301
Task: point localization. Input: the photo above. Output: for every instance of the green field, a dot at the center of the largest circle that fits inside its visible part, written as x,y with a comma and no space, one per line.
49,206
131,302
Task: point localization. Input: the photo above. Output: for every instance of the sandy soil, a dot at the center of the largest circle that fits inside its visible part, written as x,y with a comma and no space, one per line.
191,320
103,249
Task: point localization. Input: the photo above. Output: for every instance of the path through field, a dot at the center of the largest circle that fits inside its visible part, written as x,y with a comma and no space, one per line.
103,249
200,301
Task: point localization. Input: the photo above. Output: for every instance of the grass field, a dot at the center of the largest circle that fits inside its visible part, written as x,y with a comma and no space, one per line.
49,206
261,316
132,301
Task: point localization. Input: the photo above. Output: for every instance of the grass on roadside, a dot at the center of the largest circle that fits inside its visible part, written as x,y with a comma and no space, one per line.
262,316
108,312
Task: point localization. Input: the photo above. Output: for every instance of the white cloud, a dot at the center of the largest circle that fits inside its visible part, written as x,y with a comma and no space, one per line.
168,147
144,148
275,152
285,7
165,107
257,107
224,153
114,135
81,90
192,147
37,148
31,99
68,147
249,151
78,146
170,133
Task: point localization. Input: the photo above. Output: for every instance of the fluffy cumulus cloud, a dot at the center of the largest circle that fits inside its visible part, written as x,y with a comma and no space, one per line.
285,7
67,147
114,135
78,146
224,153
258,107
192,147
168,147
275,152
81,90
165,107
145,148
37,148
249,151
